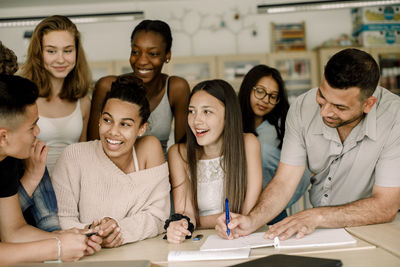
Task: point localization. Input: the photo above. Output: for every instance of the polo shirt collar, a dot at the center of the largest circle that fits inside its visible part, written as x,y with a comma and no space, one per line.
370,123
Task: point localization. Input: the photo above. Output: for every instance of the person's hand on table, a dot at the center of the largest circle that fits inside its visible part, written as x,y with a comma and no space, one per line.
110,231
73,245
177,231
239,225
93,242
299,224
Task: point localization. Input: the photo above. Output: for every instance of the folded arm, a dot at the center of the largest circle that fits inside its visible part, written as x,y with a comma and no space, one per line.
66,183
148,219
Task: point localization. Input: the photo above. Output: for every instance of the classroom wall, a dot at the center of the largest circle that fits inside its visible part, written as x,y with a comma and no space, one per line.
207,27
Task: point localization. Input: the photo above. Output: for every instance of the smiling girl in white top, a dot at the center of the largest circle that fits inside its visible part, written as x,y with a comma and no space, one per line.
217,161
56,62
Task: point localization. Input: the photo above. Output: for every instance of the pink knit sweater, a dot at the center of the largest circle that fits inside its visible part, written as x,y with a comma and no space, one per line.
89,186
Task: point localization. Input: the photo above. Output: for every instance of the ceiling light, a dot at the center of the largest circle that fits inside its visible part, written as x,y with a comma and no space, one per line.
83,18
319,5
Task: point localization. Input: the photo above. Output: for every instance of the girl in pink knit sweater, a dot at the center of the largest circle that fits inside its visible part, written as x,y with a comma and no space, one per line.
118,184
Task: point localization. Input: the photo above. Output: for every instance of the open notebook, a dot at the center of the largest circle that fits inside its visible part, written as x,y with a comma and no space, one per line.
319,238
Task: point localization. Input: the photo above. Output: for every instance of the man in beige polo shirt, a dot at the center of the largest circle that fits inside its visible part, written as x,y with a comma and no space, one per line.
347,132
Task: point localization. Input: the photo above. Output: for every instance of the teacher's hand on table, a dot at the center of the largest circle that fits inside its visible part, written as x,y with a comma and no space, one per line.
239,225
299,224
177,231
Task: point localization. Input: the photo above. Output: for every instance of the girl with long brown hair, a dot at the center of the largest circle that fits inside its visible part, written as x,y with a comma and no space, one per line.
217,161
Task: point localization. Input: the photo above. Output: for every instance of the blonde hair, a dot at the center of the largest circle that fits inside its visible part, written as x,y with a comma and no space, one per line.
78,82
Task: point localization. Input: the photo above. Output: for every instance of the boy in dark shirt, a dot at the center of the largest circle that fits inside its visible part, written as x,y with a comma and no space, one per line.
18,131
36,193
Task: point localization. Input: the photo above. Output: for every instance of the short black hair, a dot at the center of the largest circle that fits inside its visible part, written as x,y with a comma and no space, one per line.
156,26
16,93
129,88
353,68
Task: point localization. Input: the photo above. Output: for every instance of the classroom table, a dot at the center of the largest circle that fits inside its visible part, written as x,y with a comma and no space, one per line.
377,245
156,250
386,235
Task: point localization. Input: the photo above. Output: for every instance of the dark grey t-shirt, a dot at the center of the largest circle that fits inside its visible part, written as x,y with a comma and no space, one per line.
10,171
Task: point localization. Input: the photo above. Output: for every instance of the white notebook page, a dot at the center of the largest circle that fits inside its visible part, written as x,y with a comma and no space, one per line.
320,237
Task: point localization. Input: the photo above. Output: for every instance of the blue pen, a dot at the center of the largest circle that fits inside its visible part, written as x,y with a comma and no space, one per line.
227,215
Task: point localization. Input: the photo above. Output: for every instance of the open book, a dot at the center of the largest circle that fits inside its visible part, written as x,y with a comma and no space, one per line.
319,238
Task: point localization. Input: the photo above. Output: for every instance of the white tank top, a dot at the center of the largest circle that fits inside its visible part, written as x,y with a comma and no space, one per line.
135,160
210,186
160,121
59,133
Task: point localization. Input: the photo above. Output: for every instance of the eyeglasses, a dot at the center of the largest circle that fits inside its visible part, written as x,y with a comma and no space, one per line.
260,93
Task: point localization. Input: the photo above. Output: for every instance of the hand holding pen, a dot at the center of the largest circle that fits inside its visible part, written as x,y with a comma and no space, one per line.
239,225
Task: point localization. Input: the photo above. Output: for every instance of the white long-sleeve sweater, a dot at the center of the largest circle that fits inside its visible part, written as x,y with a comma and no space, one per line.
88,186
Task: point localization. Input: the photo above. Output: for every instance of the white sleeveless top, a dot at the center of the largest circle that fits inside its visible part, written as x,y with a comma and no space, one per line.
135,160
59,133
160,121
210,186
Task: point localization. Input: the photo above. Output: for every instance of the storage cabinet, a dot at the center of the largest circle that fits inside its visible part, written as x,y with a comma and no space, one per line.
193,69
288,37
388,59
122,67
298,69
232,68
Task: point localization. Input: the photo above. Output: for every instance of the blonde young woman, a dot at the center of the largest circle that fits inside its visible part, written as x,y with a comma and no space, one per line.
56,62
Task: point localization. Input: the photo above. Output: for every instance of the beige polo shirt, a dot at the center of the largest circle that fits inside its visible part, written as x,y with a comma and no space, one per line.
345,172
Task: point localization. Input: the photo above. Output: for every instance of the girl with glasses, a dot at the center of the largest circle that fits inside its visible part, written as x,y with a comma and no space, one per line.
264,106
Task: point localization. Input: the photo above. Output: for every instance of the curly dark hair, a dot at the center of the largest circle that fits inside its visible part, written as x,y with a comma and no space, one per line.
129,88
8,60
